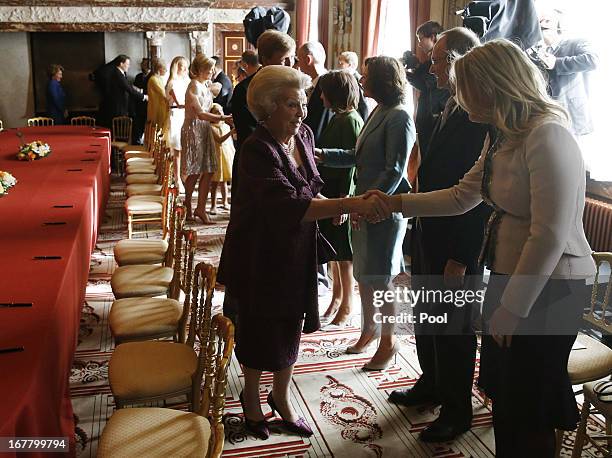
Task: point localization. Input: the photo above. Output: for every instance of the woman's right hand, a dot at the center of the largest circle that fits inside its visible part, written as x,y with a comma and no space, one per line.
373,207
318,154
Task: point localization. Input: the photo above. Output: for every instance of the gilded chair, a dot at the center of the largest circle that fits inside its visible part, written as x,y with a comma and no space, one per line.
83,121
150,131
592,360
148,173
592,392
147,209
121,135
146,318
150,251
155,370
157,432
1,125
40,121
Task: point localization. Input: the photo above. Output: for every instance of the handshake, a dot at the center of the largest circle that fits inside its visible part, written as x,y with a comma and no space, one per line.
374,206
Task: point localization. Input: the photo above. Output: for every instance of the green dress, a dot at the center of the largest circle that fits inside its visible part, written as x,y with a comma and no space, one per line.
341,132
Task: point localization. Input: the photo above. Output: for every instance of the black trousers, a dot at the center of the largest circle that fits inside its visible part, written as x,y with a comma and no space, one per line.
447,351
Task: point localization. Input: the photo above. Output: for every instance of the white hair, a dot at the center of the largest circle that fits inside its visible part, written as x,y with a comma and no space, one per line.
267,86
350,58
316,50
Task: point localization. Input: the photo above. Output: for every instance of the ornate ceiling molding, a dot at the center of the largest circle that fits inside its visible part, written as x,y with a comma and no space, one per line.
114,18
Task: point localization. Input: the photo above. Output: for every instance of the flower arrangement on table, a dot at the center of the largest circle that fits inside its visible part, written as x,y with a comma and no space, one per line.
7,181
33,151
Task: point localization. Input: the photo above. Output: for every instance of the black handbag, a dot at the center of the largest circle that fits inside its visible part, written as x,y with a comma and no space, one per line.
325,250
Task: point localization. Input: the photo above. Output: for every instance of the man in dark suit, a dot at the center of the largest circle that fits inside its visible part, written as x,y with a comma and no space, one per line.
568,63
311,59
445,257
121,90
227,88
432,99
102,77
140,81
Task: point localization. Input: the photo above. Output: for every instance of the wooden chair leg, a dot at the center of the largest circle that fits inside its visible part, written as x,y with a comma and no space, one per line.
129,222
581,436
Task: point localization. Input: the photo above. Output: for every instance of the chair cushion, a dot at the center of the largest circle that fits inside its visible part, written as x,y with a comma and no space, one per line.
141,178
127,148
136,318
119,145
144,189
137,281
154,432
144,204
141,168
140,251
604,408
141,370
135,154
139,160
590,363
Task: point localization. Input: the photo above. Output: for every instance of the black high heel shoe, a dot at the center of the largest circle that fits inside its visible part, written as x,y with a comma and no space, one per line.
259,429
299,427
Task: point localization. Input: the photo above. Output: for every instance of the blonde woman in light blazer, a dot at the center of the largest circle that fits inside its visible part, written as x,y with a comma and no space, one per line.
533,176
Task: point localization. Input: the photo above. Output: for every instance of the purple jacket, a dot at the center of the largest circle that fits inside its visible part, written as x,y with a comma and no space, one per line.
269,258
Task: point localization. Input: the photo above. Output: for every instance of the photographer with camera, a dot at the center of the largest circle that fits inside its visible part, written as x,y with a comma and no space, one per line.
431,98
568,62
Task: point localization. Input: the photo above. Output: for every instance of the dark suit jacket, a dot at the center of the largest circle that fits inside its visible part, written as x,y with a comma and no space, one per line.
569,81
226,90
266,236
431,102
120,92
243,119
318,116
452,152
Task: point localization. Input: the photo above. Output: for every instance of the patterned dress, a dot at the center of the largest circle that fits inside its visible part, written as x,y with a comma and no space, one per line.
198,153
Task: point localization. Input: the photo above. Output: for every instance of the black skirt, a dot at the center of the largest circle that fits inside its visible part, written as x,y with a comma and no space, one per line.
528,382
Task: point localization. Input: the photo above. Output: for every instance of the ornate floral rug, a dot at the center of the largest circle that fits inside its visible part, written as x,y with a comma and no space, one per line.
346,407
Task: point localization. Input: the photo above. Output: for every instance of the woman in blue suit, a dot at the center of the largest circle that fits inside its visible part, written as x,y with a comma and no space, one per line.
56,97
379,157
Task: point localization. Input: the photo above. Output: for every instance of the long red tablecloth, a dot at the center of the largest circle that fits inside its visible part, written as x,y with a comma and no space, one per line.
54,211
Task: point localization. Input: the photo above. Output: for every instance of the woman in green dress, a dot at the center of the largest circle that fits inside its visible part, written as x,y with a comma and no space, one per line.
340,93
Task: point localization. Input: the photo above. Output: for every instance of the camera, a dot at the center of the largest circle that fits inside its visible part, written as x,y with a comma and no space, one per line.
410,61
477,15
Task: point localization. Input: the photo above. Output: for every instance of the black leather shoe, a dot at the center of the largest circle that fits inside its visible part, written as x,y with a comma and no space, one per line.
411,397
441,431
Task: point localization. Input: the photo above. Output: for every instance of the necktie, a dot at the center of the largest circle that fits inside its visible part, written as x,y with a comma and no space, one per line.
449,109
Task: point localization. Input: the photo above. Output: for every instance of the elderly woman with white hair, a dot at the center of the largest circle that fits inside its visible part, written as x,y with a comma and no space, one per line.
273,227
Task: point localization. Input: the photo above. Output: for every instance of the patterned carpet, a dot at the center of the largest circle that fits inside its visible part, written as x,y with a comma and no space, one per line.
345,406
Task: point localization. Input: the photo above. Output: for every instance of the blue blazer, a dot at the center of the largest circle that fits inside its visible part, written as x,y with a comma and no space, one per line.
56,101
380,156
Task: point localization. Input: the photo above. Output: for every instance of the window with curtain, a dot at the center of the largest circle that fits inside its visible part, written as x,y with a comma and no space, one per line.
580,20
395,36
313,30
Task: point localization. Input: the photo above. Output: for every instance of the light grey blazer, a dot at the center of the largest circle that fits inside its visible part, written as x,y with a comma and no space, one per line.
380,157
540,185
381,153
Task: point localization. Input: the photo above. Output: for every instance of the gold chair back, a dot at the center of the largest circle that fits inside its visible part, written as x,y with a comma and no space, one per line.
599,303
83,121
216,362
40,121
122,129
1,125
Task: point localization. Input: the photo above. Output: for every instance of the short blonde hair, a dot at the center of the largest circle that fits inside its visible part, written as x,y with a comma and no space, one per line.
200,64
215,108
271,42
512,85
267,86
350,58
